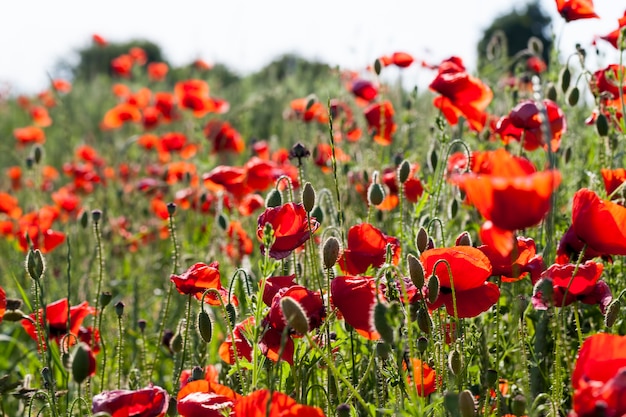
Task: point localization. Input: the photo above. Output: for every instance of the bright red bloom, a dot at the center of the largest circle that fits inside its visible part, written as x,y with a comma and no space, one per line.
205,398
40,116
364,89
3,303
193,94
323,156
367,246
56,317
380,122
274,284
152,401
469,270
310,301
614,35
461,95
291,228
120,114
606,80
157,71
255,404
355,298
29,134
229,179
239,243
122,65
613,178
536,65
514,264
250,203
598,223
139,55
242,345
401,59
223,137
38,226
199,278
98,40
599,377
9,205
510,196
575,9
424,376
585,286
308,109
524,124
61,85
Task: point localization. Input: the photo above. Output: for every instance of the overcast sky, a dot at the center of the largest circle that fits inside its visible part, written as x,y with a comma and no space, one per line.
247,34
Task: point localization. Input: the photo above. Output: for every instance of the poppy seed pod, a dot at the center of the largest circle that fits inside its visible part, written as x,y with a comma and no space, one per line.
416,270
294,315
381,323
308,197
105,298
467,405
273,199
119,309
421,241
433,288
96,215
375,194
403,171
330,252
171,209
205,327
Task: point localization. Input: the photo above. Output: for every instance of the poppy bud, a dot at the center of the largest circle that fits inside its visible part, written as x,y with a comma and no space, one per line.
197,374
378,66
222,221
294,315
424,322
205,327
602,125
403,171
383,349
375,194
535,45
119,309
518,405
273,199
464,239
565,79
171,209
83,364
176,344
544,286
172,407
343,410
551,93
422,344
382,324
13,315
416,270
96,215
491,377
573,96
318,214
612,313
330,252
453,208
308,197
29,162
37,153
47,376
105,298
455,362
232,314
421,241
433,288
84,219
35,264
467,406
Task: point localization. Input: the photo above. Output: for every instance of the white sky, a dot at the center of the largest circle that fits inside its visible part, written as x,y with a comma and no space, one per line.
247,34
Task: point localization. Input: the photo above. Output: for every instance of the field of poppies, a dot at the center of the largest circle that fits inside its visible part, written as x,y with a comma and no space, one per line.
314,241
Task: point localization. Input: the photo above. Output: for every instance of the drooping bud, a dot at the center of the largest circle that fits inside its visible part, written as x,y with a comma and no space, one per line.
416,270
467,405
84,219
403,171
381,323
37,154
464,239
205,327
83,363
13,315
330,252
535,45
424,322
222,221
375,194
318,213
612,312
573,96
518,405
274,198
602,125
455,362
565,78
232,314
308,197
433,288
294,315
421,241
551,92
35,264
378,66
176,343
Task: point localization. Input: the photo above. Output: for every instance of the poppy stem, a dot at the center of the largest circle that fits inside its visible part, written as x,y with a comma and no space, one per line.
183,353
333,160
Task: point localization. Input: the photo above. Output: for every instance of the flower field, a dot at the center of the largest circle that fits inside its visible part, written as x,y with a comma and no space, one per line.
317,241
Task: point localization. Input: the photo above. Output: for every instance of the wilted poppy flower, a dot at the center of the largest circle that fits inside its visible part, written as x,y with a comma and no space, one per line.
157,71
599,377
528,119
291,228
205,398
598,223
510,196
57,320
585,286
367,246
469,270
424,376
380,122
263,403
355,298
29,134
575,9
461,95
120,114
152,401
613,179
223,137
199,278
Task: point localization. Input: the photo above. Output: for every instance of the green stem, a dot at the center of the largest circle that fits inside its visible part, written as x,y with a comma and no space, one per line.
185,338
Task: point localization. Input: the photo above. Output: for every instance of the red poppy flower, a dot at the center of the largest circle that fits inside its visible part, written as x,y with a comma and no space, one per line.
99,40
424,376
164,102
613,178
57,318
598,223
470,269
202,65
527,118
606,81
211,375
614,35
29,134
521,259
239,243
599,376
308,109
157,71
367,246
229,179
585,286
355,298
536,65
193,95
364,89
3,303
40,116
461,95
380,122
205,398
323,153
9,205
274,284
310,301
291,228
510,196
272,345
122,65
120,114
38,226
263,403
243,346
401,59
250,203
575,9
199,278
223,137
152,401
61,86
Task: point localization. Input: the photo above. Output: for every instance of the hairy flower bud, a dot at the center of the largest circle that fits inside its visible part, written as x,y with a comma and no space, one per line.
294,315
205,327
464,239
416,271
35,264
381,323
573,96
83,363
424,322
433,288
421,241
612,312
467,405
455,362
308,197
274,198
375,194
602,125
565,78
330,252
403,171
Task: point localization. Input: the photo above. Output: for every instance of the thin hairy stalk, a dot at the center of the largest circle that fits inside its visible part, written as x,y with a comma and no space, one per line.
183,354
